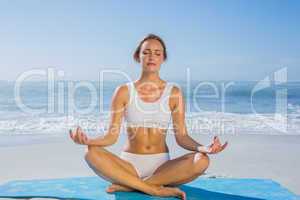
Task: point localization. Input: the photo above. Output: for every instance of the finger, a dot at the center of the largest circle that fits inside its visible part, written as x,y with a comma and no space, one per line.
85,139
71,134
218,140
213,142
80,137
76,136
218,145
210,148
215,139
215,146
223,146
73,137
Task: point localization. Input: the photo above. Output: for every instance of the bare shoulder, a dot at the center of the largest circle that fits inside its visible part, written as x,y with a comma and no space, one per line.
176,90
121,93
122,89
176,96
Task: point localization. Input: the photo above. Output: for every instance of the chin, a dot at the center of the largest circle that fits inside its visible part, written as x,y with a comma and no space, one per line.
151,69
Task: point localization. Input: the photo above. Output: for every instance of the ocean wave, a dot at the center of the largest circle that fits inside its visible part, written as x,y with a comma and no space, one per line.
201,122
293,108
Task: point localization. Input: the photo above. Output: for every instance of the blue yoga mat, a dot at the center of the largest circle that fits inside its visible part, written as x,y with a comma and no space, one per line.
94,188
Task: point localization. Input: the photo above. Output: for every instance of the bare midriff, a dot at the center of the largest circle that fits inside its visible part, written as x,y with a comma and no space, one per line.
144,140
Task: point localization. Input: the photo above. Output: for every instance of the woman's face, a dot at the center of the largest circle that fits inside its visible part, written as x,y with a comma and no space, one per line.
151,55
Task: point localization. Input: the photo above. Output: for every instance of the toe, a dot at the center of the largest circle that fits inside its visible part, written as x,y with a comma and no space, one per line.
110,189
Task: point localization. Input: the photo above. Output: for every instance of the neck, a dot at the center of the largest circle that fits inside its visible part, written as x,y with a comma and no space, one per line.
150,77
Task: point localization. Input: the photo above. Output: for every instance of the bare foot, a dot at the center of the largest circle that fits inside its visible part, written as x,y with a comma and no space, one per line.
117,188
172,191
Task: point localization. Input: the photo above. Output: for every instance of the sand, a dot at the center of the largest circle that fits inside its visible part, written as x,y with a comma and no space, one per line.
247,156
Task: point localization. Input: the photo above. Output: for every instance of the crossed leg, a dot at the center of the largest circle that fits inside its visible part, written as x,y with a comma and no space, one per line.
174,172
124,177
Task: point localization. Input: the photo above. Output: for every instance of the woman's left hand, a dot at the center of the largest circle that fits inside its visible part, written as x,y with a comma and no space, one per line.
216,146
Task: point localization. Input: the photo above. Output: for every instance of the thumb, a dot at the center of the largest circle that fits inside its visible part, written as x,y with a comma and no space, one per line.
71,134
215,138
212,143
87,140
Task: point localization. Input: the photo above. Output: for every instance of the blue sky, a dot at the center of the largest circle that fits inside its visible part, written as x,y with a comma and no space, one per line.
216,40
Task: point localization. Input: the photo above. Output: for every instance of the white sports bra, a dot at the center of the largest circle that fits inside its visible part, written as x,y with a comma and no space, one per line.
139,113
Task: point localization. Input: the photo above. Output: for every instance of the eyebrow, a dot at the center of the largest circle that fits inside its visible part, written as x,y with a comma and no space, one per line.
154,49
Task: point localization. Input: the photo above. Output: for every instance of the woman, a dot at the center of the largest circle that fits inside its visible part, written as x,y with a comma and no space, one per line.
147,104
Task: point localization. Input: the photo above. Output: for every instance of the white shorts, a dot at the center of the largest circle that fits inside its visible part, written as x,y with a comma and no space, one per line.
145,164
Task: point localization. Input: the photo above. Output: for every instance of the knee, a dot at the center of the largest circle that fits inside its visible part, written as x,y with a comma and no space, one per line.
200,162
91,152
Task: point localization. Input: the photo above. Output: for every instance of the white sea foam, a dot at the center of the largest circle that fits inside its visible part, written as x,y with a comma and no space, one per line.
202,123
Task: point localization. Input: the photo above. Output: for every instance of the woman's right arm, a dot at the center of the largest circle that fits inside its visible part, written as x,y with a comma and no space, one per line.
116,115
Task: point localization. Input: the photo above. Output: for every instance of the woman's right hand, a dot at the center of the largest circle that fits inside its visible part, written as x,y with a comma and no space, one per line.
79,137
171,192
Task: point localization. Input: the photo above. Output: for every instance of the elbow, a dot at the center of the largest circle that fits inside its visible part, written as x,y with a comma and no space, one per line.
113,141
182,139
110,141
113,138
179,140
180,144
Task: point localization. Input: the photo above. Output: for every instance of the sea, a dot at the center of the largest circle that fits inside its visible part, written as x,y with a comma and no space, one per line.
43,108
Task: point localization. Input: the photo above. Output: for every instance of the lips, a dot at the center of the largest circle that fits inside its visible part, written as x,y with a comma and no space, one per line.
152,64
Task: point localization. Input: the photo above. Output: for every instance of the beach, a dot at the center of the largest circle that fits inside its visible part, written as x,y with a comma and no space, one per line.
273,157
261,145
233,65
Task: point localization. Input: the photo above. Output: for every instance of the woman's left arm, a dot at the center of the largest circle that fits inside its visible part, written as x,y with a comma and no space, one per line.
178,118
180,130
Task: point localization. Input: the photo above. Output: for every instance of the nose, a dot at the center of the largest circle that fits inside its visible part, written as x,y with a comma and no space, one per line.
150,56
